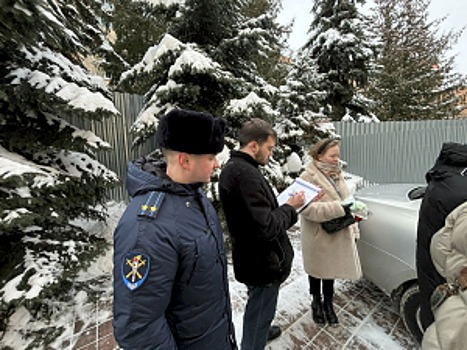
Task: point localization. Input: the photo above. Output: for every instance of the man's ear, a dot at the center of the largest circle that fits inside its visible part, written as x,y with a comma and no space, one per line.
184,160
253,145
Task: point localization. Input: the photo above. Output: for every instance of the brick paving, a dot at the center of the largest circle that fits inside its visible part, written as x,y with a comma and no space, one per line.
367,318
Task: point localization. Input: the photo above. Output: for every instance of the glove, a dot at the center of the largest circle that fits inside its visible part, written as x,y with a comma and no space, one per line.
347,208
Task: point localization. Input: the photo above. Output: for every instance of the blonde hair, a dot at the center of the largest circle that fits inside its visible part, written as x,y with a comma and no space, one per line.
322,146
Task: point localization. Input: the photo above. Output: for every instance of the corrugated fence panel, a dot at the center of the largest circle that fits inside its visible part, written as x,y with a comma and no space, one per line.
122,140
396,151
115,131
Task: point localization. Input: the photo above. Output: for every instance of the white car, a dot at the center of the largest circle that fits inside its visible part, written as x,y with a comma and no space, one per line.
387,245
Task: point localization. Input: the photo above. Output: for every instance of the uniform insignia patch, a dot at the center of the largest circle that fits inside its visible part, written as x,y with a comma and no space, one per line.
135,269
151,206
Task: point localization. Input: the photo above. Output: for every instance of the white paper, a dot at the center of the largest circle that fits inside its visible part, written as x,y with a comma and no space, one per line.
311,191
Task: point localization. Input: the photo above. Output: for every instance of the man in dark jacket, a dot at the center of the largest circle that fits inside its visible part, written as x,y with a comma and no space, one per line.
447,188
261,250
170,270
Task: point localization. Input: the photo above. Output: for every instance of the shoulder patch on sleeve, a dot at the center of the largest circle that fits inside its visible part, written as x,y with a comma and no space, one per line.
152,204
135,269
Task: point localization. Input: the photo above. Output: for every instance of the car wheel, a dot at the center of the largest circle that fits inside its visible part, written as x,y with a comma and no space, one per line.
410,311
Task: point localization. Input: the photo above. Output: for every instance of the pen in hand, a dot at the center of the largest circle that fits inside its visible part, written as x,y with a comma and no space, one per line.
296,199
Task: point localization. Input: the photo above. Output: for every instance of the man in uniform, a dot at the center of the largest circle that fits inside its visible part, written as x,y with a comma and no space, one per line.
170,269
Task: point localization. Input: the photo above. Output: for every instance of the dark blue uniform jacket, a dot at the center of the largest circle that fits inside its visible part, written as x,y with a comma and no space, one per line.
170,270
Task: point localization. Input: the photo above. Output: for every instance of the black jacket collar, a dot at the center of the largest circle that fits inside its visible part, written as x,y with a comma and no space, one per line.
245,156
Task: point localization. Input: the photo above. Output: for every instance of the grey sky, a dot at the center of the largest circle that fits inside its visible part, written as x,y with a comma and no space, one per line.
455,10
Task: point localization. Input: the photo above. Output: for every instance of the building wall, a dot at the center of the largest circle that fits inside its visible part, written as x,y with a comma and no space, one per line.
462,94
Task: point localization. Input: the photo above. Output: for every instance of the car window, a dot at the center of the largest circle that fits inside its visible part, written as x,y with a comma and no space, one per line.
416,193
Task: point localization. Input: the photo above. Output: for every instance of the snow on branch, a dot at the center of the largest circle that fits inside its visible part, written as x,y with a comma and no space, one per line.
92,140
250,103
151,58
76,164
12,164
166,3
76,96
59,65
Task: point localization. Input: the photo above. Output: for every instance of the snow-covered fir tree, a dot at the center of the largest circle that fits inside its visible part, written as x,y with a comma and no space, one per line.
301,95
136,26
269,61
257,46
49,175
206,23
414,77
215,63
175,74
338,44
300,107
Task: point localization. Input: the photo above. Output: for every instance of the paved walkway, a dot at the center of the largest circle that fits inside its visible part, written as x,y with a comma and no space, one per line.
367,318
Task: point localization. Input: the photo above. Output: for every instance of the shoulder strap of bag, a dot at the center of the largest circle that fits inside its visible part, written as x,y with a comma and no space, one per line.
331,181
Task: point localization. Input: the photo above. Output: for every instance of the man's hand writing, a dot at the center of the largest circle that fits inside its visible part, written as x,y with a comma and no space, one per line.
297,200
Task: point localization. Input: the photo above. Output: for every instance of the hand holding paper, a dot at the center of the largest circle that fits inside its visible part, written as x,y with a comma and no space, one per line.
310,192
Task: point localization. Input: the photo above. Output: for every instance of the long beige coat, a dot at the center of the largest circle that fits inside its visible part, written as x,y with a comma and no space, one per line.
328,256
449,254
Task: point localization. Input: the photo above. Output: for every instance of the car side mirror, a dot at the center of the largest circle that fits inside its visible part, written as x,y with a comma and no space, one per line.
417,193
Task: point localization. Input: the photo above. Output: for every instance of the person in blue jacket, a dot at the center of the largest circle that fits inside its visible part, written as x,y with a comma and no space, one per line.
170,269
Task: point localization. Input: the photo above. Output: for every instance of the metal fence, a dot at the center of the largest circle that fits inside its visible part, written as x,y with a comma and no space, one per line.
115,131
119,136
379,152
396,151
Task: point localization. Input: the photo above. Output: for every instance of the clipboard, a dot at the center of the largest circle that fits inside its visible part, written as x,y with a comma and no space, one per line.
311,191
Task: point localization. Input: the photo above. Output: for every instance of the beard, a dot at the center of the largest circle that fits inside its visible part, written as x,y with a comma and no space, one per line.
261,158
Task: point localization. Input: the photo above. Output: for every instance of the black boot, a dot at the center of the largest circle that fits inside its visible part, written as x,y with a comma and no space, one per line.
317,310
331,316
274,332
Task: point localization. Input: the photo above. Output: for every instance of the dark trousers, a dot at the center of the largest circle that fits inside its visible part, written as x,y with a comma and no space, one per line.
259,312
327,286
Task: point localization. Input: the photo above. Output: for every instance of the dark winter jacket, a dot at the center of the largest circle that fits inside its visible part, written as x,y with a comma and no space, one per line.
261,250
170,270
447,189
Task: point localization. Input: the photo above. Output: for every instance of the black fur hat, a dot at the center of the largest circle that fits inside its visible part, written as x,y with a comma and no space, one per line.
191,132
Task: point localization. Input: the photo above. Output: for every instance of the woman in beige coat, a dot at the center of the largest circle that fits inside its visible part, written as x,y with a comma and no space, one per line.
327,256
449,254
